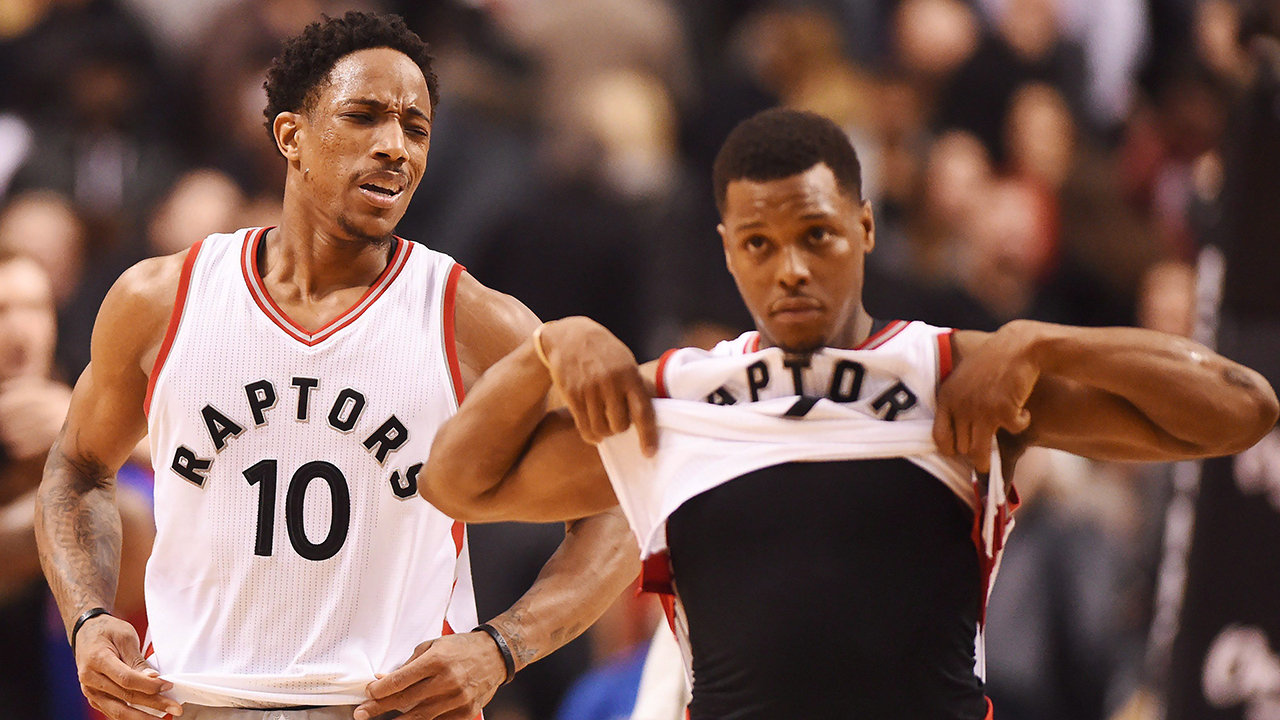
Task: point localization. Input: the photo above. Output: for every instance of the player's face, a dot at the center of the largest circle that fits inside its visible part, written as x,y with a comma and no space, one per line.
796,248
362,149
28,324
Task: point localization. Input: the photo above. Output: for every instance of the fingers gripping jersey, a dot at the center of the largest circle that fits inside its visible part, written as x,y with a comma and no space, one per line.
294,558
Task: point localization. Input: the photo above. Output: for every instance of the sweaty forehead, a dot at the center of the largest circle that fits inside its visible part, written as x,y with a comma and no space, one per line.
382,74
814,191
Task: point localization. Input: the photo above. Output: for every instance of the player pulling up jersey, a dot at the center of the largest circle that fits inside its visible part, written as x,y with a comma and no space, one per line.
848,585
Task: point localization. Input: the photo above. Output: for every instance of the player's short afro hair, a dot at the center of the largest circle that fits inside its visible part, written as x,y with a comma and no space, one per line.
779,143
305,60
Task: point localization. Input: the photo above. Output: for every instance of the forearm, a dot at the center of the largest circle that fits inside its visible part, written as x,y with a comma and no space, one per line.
476,448
1182,387
77,529
596,562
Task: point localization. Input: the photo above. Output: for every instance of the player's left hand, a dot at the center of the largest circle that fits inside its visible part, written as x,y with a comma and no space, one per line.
987,392
451,678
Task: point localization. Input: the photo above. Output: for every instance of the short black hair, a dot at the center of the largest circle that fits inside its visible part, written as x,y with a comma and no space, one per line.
779,143
305,60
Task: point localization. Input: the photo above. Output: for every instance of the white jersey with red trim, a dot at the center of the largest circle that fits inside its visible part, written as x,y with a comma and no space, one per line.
737,409
294,558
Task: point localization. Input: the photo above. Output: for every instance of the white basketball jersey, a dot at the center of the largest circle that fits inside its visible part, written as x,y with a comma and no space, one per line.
294,558
737,409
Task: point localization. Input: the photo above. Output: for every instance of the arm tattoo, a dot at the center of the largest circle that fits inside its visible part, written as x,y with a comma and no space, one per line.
78,531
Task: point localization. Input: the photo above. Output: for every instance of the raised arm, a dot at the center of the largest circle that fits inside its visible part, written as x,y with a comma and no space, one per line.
506,456
77,520
596,561
1105,393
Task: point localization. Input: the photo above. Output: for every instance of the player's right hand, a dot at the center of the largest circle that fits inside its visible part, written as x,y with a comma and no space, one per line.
113,675
600,382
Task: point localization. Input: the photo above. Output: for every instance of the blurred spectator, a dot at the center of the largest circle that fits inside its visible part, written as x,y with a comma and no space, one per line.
46,228
1026,47
620,644
1051,633
202,202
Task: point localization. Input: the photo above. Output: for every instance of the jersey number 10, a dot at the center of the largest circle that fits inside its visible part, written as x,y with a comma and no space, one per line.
263,474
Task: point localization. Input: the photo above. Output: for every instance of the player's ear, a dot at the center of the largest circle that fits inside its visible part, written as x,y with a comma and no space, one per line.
724,241
868,221
285,128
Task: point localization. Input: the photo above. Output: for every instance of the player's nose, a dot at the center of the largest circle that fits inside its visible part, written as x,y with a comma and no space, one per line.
389,143
793,268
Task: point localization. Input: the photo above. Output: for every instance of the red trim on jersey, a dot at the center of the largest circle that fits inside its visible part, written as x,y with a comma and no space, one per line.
175,319
987,563
447,630
754,344
668,603
655,574
659,374
459,532
886,334
991,712
944,354
264,301
450,342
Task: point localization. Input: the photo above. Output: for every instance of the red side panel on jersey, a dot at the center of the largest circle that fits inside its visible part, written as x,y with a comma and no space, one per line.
990,710
655,574
944,354
450,342
988,563
659,376
175,319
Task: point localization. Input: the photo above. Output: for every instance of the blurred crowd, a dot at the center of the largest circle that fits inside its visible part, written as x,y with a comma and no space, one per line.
1053,159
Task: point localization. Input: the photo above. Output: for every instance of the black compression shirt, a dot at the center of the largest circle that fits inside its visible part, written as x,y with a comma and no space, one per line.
830,590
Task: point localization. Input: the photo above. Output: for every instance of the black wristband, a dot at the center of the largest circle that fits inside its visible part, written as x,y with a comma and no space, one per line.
80,621
508,660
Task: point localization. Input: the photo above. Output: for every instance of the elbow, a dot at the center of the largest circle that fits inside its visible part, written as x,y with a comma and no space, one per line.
1262,417
1247,421
444,486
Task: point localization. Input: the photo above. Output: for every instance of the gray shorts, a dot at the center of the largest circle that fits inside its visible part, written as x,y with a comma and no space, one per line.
200,712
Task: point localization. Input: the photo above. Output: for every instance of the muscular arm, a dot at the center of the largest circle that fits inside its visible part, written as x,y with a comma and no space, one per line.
594,563
597,559
77,521
1106,393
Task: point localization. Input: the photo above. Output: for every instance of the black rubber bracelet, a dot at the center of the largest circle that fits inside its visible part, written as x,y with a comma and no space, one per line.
80,621
508,660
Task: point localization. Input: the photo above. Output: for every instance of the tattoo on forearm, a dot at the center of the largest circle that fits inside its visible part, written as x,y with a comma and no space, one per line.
79,534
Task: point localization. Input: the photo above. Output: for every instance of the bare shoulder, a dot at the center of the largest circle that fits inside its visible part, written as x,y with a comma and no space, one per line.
135,313
488,325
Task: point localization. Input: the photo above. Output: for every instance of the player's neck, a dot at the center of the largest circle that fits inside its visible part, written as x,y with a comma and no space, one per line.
316,262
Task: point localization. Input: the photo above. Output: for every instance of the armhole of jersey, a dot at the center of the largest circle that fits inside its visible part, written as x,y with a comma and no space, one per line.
944,355
175,319
659,374
450,342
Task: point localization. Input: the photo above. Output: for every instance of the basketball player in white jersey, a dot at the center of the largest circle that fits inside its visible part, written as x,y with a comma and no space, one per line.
828,537
291,380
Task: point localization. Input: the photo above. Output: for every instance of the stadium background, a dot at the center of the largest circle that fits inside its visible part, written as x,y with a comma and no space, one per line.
1064,160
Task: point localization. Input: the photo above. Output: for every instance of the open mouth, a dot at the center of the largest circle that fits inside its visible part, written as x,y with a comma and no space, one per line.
381,194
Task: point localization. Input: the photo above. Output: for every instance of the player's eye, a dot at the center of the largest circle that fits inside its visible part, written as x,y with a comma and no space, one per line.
756,242
417,131
360,117
818,234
